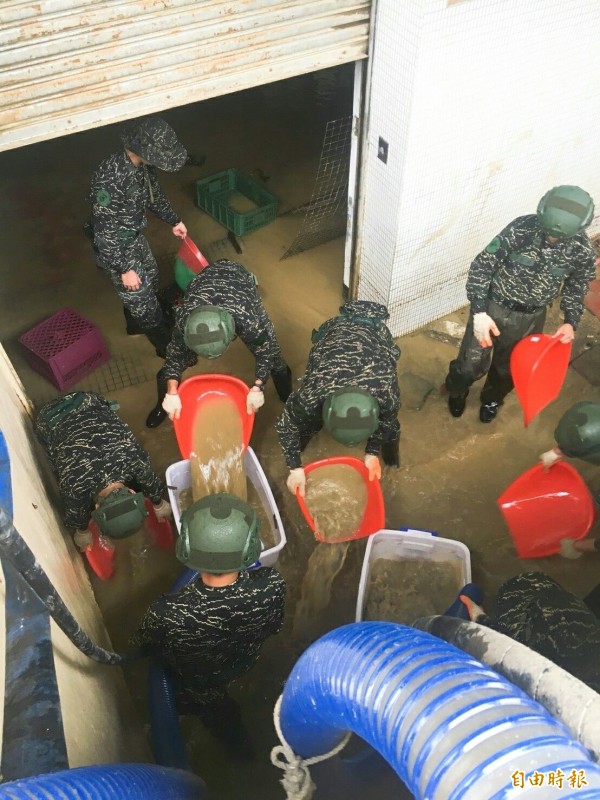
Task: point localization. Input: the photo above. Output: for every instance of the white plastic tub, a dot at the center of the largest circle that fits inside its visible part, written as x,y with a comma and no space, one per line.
178,477
410,545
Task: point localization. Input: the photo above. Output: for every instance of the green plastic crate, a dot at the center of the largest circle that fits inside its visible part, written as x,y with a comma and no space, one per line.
214,195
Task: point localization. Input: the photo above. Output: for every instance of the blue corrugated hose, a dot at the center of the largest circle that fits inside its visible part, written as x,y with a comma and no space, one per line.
109,782
168,746
451,728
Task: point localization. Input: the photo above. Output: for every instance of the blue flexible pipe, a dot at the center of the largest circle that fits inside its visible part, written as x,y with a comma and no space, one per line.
109,782
450,727
168,746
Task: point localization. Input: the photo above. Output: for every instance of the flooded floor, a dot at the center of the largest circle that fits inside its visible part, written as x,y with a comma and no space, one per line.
452,469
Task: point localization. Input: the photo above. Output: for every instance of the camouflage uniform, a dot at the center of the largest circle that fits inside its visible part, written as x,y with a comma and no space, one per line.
210,636
356,350
230,286
89,448
535,610
513,280
120,194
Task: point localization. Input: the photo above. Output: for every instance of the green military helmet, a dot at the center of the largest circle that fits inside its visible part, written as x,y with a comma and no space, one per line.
209,330
565,211
218,534
578,432
351,415
120,514
155,141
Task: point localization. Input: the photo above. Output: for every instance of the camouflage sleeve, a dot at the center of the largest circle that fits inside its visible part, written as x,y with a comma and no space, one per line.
109,208
576,286
148,481
277,586
291,426
388,429
264,347
76,512
179,357
150,635
160,206
483,268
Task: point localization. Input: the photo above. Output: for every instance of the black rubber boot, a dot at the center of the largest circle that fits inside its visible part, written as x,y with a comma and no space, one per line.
390,453
283,383
489,411
158,415
160,338
133,327
456,405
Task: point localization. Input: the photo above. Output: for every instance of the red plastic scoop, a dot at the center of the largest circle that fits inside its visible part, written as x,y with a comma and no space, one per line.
200,389
538,365
542,507
374,515
191,255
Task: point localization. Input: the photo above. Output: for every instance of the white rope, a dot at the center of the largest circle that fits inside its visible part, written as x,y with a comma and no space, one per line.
296,776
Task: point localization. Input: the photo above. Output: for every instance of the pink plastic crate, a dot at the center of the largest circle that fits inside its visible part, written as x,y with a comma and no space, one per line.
64,348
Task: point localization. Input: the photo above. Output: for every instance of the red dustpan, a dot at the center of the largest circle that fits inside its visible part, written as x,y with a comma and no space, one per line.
544,506
374,516
538,365
191,256
200,389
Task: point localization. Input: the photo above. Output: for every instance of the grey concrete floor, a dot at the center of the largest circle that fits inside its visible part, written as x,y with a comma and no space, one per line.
452,470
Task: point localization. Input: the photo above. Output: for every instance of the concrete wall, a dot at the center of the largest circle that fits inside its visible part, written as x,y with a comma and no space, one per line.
485,104
99,721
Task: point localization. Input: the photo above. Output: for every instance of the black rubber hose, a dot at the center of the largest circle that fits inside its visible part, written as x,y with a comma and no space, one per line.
14,548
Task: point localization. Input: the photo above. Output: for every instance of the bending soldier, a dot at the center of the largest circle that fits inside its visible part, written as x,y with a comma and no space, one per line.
123,187
222,302
211,631
509,286
351,387
102,470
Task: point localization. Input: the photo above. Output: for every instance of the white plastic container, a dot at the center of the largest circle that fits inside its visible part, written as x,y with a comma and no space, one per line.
410,544
179,477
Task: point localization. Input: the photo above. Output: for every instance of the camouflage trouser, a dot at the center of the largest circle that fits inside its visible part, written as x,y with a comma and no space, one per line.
474,361
142,304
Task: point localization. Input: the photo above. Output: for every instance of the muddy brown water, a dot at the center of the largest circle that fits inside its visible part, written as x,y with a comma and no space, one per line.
216,460
336,497
403,591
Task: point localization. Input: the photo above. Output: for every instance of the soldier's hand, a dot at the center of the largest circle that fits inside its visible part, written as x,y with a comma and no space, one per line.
483,327
255,399
180,230
163,510
83,539
374,467
565,333
172,405
296,481
550,457
131,280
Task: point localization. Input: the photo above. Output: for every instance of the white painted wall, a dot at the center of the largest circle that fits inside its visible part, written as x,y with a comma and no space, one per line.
99,721
485,104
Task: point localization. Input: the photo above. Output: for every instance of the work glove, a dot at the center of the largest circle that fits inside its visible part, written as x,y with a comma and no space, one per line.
297,481
83,539
550,457
163,510
374,467
172,405
483,327
255,399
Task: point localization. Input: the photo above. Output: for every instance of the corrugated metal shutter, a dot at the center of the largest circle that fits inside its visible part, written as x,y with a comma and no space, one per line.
67,66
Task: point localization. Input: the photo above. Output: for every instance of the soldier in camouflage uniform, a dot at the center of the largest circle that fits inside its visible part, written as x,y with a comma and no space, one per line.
211,630
350,386
93,454
509,286
534,609
221,302
123,188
